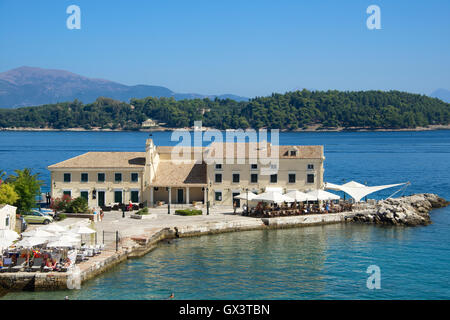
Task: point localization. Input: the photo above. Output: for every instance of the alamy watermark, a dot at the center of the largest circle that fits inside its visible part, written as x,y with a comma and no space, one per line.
74,20
374,280
74,278
373,22
237,147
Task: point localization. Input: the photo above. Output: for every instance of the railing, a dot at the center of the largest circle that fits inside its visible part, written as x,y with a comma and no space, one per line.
111,240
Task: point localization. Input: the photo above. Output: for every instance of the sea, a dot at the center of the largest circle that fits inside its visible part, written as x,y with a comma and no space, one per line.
319,262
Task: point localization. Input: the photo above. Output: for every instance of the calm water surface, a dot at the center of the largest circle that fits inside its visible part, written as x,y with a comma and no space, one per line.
324,262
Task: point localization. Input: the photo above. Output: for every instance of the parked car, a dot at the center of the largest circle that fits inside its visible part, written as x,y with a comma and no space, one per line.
48,212
37,217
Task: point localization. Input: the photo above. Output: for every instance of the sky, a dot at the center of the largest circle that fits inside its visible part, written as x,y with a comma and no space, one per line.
249,48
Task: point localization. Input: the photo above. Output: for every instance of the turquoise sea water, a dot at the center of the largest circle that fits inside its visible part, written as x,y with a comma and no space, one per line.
323,262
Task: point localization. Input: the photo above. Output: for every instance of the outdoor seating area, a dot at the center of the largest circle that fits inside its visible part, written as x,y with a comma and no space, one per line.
275,204
265,210
51,248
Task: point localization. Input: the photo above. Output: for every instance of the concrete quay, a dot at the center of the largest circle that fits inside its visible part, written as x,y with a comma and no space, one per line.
138,237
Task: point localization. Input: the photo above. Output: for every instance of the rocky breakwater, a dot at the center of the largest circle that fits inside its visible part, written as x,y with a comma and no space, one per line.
410,211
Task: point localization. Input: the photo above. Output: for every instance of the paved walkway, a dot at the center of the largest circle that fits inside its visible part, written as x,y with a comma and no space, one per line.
113,221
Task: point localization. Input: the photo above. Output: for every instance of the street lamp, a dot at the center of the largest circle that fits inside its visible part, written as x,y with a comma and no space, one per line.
246,209
168,202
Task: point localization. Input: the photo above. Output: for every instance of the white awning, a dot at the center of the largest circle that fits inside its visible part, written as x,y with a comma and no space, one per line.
275,197
323,195
357,190
300,196
244,196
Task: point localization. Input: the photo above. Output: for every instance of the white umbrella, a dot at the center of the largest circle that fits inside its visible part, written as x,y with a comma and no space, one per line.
300,196
54,228
83,230
66,238
38,233
323,195
31,242
5,243
9,235
243,196
60,244
273,196
71,234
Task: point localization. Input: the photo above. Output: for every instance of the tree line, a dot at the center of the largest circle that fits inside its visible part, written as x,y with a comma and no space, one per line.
291,111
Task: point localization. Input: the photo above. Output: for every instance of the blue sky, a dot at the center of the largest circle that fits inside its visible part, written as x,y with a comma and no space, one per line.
243,47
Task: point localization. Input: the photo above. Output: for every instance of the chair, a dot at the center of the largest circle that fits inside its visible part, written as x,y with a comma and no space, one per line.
21,264
7,263
37,264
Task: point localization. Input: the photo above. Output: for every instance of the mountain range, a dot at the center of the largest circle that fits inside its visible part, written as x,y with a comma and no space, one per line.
442,94
30,86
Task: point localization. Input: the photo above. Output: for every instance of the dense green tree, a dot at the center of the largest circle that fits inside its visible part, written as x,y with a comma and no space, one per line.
27,186
292,110
7,194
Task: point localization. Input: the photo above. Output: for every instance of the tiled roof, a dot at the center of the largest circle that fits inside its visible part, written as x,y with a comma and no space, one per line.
241,149
172,173
245,149
104,160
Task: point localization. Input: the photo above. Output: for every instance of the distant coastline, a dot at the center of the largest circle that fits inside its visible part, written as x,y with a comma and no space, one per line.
315,128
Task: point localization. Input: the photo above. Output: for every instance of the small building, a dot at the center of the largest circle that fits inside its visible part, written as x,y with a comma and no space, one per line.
149,123
158,176
7,217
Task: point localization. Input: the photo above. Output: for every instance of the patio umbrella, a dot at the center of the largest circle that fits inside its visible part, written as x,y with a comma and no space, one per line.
60,244
273,196
243,196
83,230
39,233
5,243
31,242
54,228
300,196
67,238
9,235
323,195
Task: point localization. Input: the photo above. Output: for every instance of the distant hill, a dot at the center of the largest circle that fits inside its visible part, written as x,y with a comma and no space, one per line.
442,94
290,111
29,86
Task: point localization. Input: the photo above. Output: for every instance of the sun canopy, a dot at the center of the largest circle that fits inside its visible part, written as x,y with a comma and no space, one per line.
243,196
9,235
5,243
357,190
323,195
274,197
300,196
60,244
31,242
39,233
83,230
54,228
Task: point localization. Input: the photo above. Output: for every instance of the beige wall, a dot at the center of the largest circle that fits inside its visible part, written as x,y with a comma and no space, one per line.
8,212
195,194
286,166
109,186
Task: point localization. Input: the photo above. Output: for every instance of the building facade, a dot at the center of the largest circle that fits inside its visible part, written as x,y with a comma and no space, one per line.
7,217
187,175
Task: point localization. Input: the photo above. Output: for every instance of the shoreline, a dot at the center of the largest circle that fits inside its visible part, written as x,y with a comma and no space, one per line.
315,128
136,246
144,236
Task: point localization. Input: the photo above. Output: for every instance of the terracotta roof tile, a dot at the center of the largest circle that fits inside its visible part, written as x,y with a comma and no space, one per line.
104,160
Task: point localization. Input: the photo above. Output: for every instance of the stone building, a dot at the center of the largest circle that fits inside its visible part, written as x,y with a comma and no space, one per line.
178,175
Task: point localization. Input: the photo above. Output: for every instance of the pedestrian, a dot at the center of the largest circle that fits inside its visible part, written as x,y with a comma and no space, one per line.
234,207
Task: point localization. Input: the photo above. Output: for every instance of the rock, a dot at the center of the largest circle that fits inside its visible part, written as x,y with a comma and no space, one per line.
411,210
